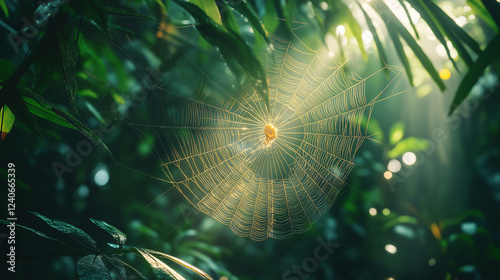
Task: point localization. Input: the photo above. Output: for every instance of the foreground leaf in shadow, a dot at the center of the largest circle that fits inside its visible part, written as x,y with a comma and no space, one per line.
476,70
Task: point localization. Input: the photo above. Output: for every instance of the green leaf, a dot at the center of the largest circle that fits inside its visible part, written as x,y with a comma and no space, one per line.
69,56
92,267
119,236
41,111
95,11
210,8
403,219
396,133
120,9
430,20
231,46
475,71
181,262
409,18
160,269
37,232
395,26
376,38
243,8
410,144
228,19
6,69
73,232
57,115
7,119
125,270
479,9
4,8
455,33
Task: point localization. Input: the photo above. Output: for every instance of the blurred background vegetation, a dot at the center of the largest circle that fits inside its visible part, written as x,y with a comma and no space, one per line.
422,204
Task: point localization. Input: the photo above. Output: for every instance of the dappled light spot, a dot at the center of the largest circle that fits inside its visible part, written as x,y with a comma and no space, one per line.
445,74
394,165
409,158
391,248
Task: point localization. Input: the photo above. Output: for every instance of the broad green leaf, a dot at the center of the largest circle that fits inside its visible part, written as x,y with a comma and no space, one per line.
71,231
125,270
210,8
6,69
376,38
119,236
410,144
243,8
7,119
475,71
91,267
396,133
228,19
160,269
181,262
4,8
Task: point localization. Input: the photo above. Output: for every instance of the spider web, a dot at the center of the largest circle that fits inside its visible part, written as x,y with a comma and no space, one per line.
212,147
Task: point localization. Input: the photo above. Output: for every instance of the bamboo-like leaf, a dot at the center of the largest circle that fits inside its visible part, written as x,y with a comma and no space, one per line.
402,3
243,8
4,8
393,25
376,38
181,262
398,46
92,267
41,111
69,55
475,71
479,9
210,8
231,46
493,8
117,234
37,232
160,269
450,26
57,115
71,231
429,19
